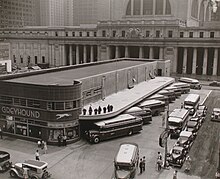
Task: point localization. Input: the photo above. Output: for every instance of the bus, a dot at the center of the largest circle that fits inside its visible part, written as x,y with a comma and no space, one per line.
126,161
170,94
122,125
156,106
159,97
184,87
191,103
145,114
194,83
174,89
177,121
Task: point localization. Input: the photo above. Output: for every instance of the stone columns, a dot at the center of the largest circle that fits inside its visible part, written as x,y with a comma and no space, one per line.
107,53
84,53
164,7
141,55
77,54
98,53
184,60
154,6
92,53
161,55
116,52
194,61
151,53
142,8
70,54
126,52
204,70
215,62
132,7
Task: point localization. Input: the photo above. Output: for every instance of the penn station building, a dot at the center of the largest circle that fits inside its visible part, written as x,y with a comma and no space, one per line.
180,31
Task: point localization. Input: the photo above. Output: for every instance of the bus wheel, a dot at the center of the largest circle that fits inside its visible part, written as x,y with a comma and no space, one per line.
96,140
130,132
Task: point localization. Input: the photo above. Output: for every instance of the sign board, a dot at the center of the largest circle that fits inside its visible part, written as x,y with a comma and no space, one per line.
163,137
4,51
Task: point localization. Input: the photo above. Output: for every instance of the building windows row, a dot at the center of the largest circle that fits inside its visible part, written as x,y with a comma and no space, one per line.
67,105
29,59
201,34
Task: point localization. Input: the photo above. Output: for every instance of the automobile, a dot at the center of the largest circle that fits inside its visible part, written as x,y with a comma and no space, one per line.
215,114
198,119
177,156
201,110
214,83
35,169
194,83
5,163
192,126
185,140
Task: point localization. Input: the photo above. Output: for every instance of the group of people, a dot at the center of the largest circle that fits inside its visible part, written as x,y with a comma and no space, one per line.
43,145
142,164
105,109
62,140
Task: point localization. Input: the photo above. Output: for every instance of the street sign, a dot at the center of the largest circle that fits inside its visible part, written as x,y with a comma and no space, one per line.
163,137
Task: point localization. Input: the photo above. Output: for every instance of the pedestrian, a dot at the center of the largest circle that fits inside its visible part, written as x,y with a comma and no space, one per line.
64,140
144,161
42,145
159,156
104,109
181,105
84,111
39,144
59,140
108,108
37,155
90,110
111,107
1,133
175,174
25,173
99,110
188,164
96,111
141,166
45,147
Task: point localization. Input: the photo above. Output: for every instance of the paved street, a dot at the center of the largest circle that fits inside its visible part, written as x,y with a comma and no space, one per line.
89,161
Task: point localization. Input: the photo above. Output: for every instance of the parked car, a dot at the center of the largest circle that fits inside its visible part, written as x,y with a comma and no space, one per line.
214,83
197,119
177,156
202,110
5,163
35,169
185,140
215,114
192,126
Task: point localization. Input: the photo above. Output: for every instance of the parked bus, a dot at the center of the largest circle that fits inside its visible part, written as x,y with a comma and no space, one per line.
177,121
192,102
177,91
159,97
194,83
184,87
126,161
124,124
169,94
145,114
156,106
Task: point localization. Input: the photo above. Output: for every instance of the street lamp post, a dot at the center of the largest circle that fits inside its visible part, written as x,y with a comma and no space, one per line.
217,175
167,128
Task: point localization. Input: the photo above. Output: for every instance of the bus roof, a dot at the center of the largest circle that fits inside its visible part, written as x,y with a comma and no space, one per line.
156,96
151,102
116,119
174,119
216,109
36,164
179,113
180,84
126,153
184,79
133,109
185,133
192,97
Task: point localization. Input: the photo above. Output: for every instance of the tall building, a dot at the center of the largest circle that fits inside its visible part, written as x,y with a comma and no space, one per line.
19,13
51,12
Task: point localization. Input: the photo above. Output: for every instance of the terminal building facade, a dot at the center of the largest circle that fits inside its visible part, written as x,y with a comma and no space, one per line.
180,31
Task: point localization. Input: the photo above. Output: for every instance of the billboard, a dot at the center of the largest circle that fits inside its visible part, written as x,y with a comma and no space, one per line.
4,51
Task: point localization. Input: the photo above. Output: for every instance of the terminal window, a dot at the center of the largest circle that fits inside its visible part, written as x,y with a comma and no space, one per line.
190,34
212,34
170,33
201,34
181,34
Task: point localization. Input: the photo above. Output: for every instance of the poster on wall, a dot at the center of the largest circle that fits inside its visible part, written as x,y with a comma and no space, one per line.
4,51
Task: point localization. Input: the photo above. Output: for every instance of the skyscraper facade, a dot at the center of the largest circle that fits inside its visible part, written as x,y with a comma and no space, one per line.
17,13
51,12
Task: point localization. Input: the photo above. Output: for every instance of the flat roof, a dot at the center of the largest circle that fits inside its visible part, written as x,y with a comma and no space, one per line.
133,109
185,133
66,76
151,102
179,113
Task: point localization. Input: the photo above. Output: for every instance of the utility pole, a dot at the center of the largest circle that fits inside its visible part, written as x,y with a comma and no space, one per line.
217,175
166,129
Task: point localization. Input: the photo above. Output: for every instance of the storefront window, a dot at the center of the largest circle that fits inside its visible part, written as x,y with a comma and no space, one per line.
21,129
35,131
9,124
54,134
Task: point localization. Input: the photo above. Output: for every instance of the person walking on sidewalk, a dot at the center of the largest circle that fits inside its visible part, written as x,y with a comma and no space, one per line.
175,174
45,147
1,133
37,155
141,166
64,140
